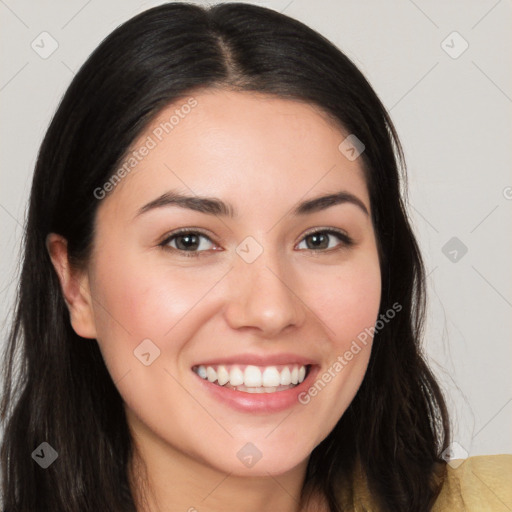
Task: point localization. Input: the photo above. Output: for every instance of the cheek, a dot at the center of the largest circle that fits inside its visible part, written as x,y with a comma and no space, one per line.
346,298
347,302
141,302
136,301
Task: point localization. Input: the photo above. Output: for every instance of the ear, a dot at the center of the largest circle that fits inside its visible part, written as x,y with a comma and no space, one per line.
74,285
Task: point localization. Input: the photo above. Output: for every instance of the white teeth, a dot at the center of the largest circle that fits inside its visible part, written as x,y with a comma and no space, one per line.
262,389
254,390
271,377
236,376
286,377
222,375
211,374
254,379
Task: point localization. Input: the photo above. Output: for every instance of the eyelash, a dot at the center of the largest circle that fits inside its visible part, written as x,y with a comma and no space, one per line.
345,239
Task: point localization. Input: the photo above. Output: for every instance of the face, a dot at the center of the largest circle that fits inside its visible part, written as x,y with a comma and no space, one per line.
264,292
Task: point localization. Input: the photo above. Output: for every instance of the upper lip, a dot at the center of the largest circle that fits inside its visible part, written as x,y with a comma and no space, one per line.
259,360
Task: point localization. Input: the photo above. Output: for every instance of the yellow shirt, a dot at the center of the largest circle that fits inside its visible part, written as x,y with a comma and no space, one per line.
480,483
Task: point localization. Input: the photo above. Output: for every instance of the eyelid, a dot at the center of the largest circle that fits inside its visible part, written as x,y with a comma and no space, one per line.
327,229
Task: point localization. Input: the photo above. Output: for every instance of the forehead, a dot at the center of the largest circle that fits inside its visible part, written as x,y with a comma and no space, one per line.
240,146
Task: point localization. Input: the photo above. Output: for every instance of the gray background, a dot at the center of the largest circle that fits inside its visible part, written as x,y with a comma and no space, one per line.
452,110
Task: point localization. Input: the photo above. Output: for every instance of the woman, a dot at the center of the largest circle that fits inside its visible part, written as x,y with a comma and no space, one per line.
221,299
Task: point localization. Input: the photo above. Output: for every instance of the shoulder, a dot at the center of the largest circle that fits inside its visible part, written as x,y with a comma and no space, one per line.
476,484
480,483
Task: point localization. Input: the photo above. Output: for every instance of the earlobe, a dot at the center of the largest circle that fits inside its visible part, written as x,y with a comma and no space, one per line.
74,285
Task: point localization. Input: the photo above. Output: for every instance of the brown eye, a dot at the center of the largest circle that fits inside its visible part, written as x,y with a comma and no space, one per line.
189,243
323,240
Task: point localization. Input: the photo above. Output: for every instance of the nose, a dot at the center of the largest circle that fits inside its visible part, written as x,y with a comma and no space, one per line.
263,296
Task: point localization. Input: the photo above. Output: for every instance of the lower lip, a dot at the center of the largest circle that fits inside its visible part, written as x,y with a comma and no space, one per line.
260,402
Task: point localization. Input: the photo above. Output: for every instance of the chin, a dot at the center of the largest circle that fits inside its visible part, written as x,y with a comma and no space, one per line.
246,459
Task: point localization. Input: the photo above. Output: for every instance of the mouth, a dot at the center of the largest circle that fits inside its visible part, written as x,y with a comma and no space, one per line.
254,379
256,383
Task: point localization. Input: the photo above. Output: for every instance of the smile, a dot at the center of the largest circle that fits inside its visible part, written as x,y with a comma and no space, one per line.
254,379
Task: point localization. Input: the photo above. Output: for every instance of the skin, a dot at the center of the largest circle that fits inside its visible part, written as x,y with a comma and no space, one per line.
263,155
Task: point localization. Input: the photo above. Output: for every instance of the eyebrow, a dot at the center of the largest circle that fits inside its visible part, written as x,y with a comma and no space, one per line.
215,206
